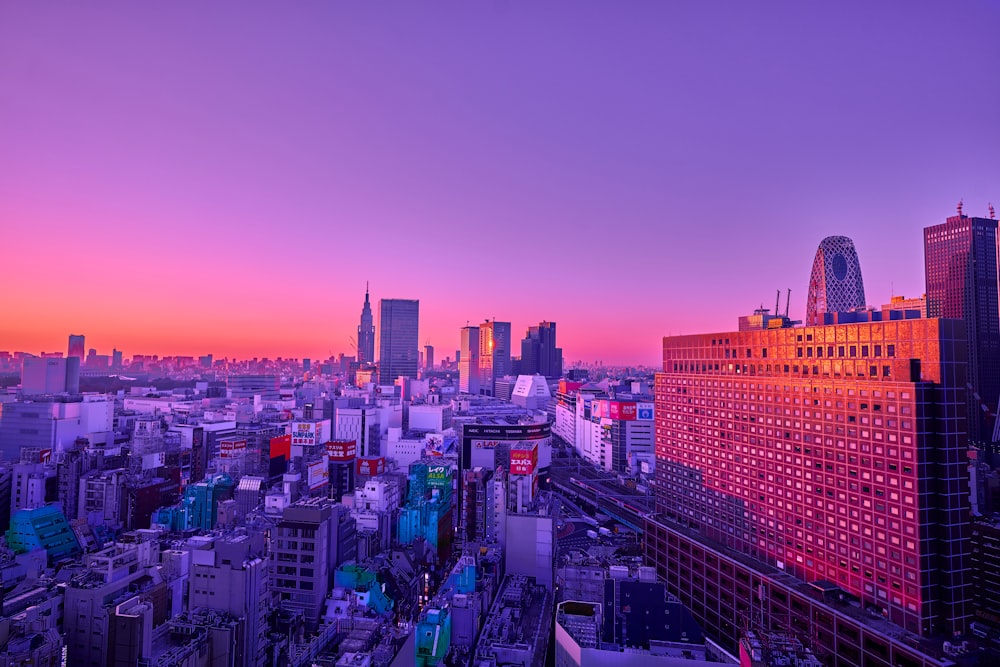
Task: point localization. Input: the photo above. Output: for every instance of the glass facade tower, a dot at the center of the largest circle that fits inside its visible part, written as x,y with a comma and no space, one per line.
398,336
494,354
960,262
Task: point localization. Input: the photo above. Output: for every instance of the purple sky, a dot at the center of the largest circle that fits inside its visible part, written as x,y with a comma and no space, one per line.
223,177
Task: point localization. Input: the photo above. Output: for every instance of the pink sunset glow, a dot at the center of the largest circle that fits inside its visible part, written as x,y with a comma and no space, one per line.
225,178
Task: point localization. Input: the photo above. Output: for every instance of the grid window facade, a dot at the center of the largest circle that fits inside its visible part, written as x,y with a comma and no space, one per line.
847,469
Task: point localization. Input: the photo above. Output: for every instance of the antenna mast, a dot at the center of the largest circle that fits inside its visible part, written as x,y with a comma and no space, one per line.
788,301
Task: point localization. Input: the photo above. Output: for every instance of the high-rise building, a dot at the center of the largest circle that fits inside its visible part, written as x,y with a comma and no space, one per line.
835,284
76,346
398,336
366,333
303,557
830,456
494,354
468,365
229,573
960,262
539,354
41,375
429,357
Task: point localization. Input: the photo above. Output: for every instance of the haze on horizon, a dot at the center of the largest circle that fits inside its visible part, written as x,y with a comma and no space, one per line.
186,179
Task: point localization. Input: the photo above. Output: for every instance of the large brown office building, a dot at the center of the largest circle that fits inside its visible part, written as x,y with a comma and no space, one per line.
813,480
960,262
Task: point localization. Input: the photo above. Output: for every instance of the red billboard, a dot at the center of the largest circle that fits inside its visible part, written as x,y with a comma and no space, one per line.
624,411
369,466
281,446
568,386
342,450
231,447
523,461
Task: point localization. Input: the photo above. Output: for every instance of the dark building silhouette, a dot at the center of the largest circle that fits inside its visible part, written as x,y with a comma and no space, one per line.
366,334
539,354
960,262
76,346
398,336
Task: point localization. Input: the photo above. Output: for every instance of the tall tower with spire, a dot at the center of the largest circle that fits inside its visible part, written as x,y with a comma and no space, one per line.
366,333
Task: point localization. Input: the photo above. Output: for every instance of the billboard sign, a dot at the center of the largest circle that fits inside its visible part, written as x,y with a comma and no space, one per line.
231,447
485,444
342,450
438,477
304,433
621,410
644,411
281,447
317,474
507,431
369,466
523,461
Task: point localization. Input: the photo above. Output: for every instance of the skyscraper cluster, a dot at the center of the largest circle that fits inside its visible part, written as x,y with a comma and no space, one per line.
803,472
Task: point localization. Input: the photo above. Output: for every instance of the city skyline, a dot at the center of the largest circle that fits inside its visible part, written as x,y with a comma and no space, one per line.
616,139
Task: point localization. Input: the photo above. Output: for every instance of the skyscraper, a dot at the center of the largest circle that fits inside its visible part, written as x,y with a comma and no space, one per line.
835,285
960,262
831,456
539,353
429,357
468,361
76,346
366,333
494,354
398,336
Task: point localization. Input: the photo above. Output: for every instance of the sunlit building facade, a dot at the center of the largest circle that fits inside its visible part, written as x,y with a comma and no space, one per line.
828,455
468,361
494,354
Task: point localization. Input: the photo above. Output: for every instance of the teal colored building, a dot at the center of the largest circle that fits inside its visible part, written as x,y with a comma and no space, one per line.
43,528
428,509
205,497
433,637
362,580
176,517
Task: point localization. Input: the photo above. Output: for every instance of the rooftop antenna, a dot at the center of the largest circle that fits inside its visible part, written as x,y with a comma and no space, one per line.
777,304
993,212
959,207
788,301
